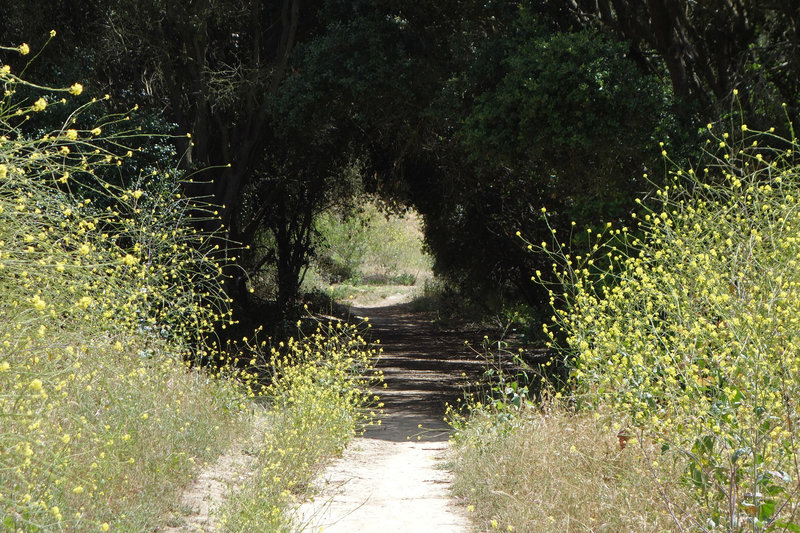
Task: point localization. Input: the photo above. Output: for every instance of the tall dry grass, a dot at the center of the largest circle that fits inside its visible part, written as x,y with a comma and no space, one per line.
552,470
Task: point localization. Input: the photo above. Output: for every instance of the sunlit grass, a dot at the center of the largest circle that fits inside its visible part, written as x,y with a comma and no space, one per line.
553,470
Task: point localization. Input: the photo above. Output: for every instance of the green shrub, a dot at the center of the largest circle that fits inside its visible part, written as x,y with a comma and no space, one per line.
370,246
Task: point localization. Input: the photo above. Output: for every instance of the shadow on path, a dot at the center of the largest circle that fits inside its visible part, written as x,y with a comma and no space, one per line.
392,479
424,369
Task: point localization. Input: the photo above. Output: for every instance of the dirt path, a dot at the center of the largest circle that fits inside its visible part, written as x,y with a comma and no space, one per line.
393,479
201,499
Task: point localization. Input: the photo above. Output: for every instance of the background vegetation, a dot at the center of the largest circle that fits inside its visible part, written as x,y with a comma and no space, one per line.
476,114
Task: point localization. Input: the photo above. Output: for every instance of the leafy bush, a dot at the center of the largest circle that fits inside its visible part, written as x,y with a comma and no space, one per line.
370,246
690,332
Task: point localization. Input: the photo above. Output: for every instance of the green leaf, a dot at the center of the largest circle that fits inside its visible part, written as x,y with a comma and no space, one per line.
785,526
697,476
766,510
738,453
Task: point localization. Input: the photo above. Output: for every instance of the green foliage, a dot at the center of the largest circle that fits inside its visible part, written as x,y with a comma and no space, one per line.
370,246
476,113
708,49
105,290
343,246
319,399
547,116
561,97
690,332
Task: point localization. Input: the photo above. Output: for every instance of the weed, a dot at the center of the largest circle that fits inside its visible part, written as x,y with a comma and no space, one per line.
320,398
104,291
547,469
690,329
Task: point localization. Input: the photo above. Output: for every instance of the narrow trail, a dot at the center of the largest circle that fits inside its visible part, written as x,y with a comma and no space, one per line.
392,479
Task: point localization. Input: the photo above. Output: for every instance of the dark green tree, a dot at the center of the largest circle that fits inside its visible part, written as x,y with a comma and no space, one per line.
710,48
477,113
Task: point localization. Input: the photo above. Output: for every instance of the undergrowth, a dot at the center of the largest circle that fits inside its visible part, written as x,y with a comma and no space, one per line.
105,291
549,469
109,299
681,329
368,247
319,399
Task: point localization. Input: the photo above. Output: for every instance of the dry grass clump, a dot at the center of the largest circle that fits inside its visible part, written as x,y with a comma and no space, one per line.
555,470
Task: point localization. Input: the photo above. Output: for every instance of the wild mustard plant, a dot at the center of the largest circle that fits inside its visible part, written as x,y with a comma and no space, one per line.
105,289
686,324
320,398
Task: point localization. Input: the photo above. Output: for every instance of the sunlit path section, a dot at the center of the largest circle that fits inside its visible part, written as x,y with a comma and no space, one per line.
394,478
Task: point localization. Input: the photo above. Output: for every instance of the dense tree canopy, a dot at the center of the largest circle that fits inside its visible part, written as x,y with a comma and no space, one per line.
476,113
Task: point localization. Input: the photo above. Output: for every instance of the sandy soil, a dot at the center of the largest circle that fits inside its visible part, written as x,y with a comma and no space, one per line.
208,491
394,478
